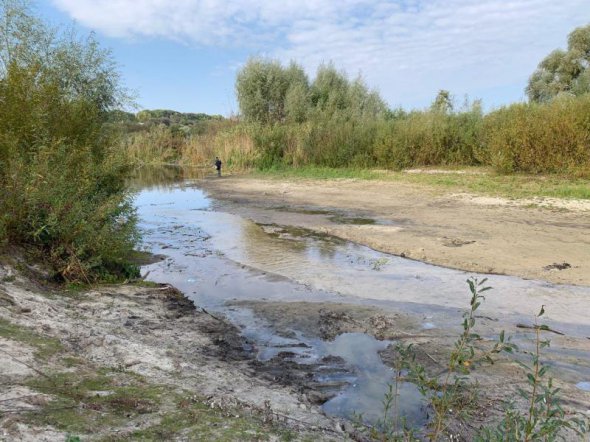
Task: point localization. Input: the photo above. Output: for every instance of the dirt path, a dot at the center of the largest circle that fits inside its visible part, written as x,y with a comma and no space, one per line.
540,239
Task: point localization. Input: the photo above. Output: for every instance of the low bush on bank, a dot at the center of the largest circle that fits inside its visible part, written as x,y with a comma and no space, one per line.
536,138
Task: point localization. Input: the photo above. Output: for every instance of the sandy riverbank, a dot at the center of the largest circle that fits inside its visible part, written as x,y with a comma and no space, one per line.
525,238
129,362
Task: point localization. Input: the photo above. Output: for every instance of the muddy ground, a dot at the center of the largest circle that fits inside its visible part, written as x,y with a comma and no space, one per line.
546,239
140,362
137,362
130,362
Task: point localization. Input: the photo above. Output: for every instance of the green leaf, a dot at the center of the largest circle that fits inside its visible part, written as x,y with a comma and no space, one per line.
531,378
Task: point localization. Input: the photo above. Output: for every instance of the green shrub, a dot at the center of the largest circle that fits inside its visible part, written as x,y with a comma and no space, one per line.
536,138
63,181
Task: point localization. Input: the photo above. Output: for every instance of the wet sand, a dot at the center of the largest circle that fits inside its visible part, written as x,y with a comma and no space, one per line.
541,239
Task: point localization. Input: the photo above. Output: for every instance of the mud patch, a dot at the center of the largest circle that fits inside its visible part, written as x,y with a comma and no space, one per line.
342,219
558,266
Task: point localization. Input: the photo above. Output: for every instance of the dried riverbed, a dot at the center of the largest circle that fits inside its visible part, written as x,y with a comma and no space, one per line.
274,273
292,331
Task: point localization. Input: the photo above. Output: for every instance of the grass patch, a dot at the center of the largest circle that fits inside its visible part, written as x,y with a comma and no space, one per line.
146,284
45,347
107,399
85,401
511,186
474,180
195,420
319,173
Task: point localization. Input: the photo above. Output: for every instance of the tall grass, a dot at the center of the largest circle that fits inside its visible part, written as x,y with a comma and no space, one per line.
232,142
534,138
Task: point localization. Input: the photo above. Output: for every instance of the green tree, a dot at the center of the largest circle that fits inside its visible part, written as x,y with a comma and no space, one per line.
62,180
329,90
261,87
364,102
297,98
563,71
443,103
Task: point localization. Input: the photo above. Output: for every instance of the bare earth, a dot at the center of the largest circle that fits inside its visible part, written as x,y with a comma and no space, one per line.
128,362
483,234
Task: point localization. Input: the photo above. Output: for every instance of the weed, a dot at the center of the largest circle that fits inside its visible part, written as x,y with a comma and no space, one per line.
543,420
85,400
45,347
378,264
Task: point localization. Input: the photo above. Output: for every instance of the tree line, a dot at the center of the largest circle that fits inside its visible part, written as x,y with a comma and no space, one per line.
333,121
287,119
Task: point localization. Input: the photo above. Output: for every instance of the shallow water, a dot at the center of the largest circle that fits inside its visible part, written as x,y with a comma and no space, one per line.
366,392
216,258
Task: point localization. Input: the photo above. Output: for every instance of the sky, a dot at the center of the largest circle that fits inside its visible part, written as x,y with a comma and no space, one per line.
184,54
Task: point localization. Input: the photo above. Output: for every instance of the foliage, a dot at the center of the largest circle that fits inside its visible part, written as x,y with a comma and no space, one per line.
63,192
261,88
549,137
269,93
331,121
170,117
543,419
563,72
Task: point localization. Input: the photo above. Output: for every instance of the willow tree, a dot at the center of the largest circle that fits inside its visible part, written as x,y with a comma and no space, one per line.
62,181
563,71
261,87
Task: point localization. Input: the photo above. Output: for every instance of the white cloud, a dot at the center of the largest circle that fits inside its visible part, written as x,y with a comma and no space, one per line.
406,48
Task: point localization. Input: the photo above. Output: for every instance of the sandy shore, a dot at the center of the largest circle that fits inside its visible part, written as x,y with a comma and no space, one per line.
547,239
133,362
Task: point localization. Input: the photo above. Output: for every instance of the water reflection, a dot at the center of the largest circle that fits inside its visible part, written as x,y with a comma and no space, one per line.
215,257
366,393
162,177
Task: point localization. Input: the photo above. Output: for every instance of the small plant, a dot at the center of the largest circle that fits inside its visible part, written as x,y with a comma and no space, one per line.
462,360
544,419
377,264
393,426
450,393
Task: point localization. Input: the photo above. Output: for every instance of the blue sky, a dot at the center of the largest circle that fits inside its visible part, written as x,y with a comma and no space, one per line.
184,54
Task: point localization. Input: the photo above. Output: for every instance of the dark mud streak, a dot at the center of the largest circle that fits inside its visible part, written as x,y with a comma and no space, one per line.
230,345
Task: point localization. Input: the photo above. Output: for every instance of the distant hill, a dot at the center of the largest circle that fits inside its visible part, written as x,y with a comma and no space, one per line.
188,122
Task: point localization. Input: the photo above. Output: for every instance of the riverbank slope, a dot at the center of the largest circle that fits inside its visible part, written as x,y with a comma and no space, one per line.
134,362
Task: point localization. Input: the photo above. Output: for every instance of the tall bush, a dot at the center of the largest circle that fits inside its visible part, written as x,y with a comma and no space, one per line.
538,138
62,179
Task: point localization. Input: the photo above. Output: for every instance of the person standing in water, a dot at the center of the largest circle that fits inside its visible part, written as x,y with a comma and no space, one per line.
218,166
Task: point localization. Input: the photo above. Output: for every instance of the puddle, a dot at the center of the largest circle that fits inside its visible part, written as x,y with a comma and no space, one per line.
584,386
365,395
219,259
